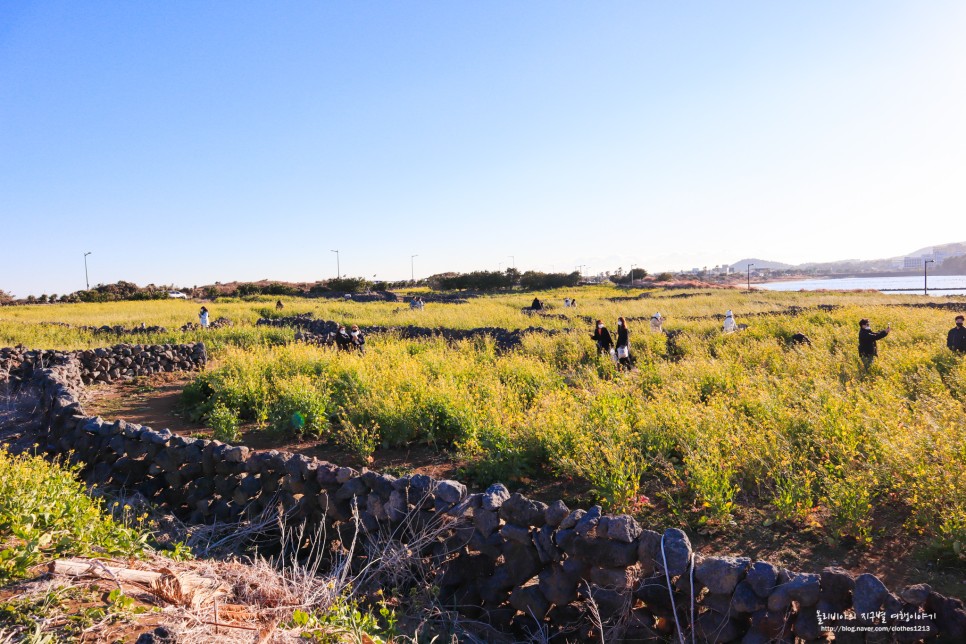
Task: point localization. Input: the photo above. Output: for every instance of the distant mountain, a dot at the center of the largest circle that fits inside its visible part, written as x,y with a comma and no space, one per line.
955,262
760,264
950,250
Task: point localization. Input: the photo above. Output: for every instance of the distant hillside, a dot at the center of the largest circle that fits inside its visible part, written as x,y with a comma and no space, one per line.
742,264
955,265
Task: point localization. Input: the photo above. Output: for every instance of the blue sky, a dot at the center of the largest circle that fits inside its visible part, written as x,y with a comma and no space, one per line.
187,142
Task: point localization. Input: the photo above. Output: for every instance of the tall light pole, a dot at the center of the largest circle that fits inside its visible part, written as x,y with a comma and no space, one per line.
338,270
514,259
630,283
86,279
925,278
412,270
749,276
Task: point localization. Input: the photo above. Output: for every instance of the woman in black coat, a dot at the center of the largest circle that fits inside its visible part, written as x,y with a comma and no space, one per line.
623,345
602,337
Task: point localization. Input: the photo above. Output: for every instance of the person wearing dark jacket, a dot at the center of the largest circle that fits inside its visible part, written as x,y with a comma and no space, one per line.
342,339
956,338
536,305
357,340
602,337
867,341
623,346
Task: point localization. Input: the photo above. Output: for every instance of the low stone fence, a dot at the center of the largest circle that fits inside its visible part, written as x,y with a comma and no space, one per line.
519,565
122,361
319,331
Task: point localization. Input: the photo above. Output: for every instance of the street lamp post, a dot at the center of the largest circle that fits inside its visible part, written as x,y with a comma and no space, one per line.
631,283
925,278
338,270
514,260
749,276
86,278
412,270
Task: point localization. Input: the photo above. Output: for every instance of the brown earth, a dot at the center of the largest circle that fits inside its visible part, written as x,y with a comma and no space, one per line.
895,556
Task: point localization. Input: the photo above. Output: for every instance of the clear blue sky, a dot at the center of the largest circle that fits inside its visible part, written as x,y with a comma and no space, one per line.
193,142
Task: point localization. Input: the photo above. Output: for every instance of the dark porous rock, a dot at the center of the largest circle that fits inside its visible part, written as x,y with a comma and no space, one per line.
715,627
648,549
530,601
558,585
640,628
486,521
720,603
555,513
837,587
771,625
589,520
617,578
604,552
804,588
622,528
381,484
450,491
806,625
571,519
237,454
494,496
352,487
869,594
516,533
567,541
522,561
950,617
522,511
654,593
677,552
755,637
721,574
610,602
763,577
546,548
396,507
745,600
343,474
916,594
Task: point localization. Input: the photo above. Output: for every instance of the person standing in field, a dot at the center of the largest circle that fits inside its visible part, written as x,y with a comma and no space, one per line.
623,345
279,306
566,302
657,322
956,338
602,337
203,317
729,323
357,340
867,341
342,339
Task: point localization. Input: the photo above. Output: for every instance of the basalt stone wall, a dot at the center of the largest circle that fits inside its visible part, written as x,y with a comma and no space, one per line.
122,361
517,564
318,331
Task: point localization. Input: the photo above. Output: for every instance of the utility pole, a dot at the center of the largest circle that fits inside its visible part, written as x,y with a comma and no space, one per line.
925,278
630,283
338,270
86,278
514,259
749,277
412,271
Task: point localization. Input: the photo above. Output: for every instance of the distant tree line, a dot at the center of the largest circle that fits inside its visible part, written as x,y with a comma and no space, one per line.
497,280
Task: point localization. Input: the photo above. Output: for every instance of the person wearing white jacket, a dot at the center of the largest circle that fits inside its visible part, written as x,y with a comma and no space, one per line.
657,323
729,323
